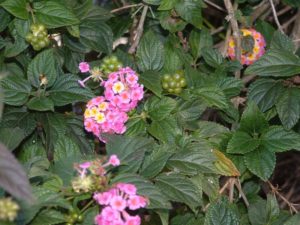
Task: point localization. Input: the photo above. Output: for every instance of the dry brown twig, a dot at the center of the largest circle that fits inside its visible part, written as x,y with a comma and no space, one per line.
275,191
275,16
139,31
215,5
236,32
125,7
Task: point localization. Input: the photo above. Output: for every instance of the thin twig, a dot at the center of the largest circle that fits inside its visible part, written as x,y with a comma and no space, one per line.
139,31
125,7
239,187
217,30
296,30
236,33
182,40
275,190
248,78
214,5
231,189
275,16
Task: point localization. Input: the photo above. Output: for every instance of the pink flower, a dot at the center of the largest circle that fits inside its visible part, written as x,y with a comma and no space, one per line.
125,97
110,214
103,198
133,220
129,189
132,79
133,202
85,165
118,203
84,67
114,160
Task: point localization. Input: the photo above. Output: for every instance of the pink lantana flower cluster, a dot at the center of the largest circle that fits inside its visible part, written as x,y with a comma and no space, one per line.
92,175
108,113
115,201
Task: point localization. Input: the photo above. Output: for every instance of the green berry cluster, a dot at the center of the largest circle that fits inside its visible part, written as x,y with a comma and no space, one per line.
38,37
73,218
110,64
174,83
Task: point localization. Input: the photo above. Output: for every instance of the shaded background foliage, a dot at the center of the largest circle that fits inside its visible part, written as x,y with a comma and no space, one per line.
204,156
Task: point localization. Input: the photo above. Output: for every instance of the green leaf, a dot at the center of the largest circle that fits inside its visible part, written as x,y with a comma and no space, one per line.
187,219
261,162
276,63
288,107
293,3
152,2
96,14
187,111
158,129
257,213
144,187
191,161
212,57
4,18
281,41
172,61
168,22
12,137
253,120
198,40
16,90
273,209
135,127
13,49
16,7
54,14
40,104
98,37
130,150
151,80
13,178
156,161
159,109
44,64
66,90
48,198
230,86
212,96
293,220
49,217
72,60
277,139
65,148
242,143
191,11
179,188
222,212
265,92
31,148
150,53
167,4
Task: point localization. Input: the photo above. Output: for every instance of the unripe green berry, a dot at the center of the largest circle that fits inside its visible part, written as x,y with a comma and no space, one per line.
177,90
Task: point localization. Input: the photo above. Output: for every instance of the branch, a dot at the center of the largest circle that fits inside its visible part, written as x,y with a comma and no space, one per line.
139,31
125,7
236,32
275,16
275,190
214,5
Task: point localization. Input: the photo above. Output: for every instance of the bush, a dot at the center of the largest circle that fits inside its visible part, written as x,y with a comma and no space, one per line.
128,112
